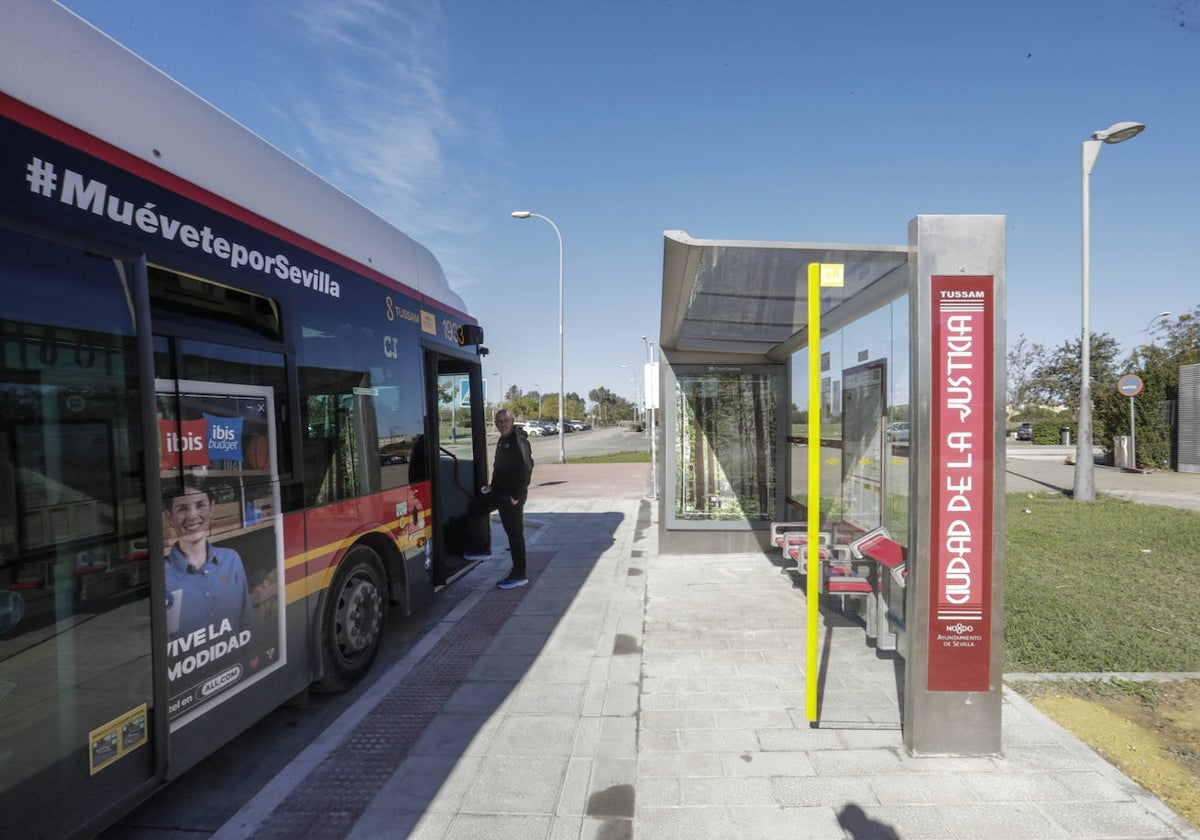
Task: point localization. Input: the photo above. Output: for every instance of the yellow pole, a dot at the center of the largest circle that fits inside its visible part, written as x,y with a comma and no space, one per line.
811,665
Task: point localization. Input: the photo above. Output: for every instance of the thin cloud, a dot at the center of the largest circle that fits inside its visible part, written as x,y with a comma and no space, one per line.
373,116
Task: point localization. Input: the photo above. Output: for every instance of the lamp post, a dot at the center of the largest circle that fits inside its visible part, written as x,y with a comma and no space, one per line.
539,393
1085,482
1157,317
650,429
633,381
1150,324
525,214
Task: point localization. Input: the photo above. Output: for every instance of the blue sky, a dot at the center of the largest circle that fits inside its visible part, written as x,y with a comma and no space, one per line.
787,121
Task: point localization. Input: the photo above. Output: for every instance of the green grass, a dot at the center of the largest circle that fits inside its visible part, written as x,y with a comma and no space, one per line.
639,457
1108,585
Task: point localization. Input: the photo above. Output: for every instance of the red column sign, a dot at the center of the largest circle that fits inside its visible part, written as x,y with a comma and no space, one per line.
960,567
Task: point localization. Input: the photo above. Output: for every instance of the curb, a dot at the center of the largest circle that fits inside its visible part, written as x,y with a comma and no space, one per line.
1105,676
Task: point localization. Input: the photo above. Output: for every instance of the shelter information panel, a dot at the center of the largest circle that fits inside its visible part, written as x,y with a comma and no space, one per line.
963,466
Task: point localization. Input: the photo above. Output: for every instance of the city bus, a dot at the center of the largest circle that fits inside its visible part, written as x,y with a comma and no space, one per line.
225,459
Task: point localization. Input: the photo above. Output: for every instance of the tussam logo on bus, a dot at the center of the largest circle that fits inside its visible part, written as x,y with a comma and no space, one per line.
92,195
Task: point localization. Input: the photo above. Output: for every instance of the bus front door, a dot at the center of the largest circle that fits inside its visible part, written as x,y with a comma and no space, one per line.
457,455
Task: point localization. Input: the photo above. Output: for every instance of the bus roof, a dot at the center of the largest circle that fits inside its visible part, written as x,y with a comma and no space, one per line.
56,62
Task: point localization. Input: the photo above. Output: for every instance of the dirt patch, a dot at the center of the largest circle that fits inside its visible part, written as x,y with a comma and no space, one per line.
1150,731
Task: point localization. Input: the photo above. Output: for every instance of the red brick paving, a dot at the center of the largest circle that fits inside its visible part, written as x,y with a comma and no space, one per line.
590,481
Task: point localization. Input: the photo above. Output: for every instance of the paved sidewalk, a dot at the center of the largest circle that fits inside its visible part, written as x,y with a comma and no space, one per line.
1044,469
626,694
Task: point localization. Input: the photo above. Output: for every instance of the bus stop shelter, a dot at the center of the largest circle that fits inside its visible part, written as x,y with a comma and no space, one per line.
855,392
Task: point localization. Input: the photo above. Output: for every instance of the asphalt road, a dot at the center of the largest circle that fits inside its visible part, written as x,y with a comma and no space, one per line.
586,444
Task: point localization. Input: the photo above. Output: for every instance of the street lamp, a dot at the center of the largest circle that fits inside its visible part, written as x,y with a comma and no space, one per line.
1085,484
1150,324
650,428
525,214
633,380
1162,314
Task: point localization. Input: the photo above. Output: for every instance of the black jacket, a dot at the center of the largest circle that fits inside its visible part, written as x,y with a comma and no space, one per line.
513,465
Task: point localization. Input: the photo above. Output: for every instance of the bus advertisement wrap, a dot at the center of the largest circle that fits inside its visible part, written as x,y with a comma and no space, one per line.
212,356
223,547
51,181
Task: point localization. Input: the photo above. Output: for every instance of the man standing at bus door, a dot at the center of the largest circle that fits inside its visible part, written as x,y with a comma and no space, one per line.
511,470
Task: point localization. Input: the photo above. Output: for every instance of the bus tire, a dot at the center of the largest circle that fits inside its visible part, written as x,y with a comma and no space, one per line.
353,620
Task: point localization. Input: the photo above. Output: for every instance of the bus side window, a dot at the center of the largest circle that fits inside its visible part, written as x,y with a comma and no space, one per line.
332,450
342,390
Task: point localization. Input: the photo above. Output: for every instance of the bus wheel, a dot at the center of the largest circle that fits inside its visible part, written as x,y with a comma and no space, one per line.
353,620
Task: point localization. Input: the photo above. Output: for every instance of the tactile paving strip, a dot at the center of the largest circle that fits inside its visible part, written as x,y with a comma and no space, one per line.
334,795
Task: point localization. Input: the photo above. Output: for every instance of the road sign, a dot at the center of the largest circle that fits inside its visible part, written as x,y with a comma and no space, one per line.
1130,385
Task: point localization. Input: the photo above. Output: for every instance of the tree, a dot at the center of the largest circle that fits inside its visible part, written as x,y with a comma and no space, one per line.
606,403
522,406
1025,360
1158,366
573,407
1056,380
799,418
1182,341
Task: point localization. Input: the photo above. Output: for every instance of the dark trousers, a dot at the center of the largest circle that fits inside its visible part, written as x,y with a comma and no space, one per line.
512,517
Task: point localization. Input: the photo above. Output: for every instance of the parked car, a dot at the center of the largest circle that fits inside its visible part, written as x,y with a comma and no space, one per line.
386,458
531,428
577,425
897,432
1025,431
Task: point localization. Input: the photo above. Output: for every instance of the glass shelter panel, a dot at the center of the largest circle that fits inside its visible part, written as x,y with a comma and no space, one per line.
860,506
899,433
864,425
726,432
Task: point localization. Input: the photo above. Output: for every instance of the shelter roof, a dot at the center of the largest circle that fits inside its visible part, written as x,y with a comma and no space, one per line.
747,297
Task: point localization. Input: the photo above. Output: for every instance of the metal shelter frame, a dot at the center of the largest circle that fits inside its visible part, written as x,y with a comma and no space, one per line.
744,309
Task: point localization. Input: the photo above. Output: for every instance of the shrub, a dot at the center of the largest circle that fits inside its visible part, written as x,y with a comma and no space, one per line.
1049,432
